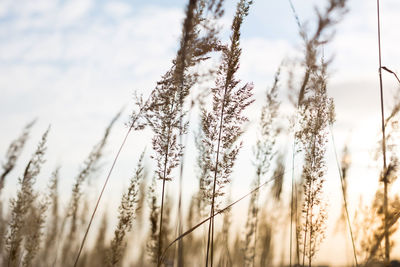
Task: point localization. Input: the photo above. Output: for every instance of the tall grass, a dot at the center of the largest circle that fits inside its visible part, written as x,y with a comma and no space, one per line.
223,125
26,218
264,152
127,211
37,230
13,152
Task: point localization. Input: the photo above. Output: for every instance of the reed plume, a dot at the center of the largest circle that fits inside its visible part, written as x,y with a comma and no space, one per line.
127,210
316,112
89,167
315,118
165,112
13,152
263,154
21,207
223,125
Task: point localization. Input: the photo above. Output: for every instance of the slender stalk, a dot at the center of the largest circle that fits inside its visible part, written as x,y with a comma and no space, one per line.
385,182
162,207
102,191
311,230
226,85
219,212
180,244
297,19
256,223
167,110
160,228
187,31
211,224
306,228
344,197
297,223
291,205
310,200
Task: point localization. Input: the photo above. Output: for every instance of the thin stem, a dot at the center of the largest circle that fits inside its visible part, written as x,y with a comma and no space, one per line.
162,203
214,183
344,197
306,228
160,228
108,177
297,223
296,17
219,212
180,245
291,206
187,27
311,229
256,221
101,193
385,182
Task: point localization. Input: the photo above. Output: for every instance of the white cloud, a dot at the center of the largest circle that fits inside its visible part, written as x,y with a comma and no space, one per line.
262,57
28,8
117,9
78,77
74,10
5,7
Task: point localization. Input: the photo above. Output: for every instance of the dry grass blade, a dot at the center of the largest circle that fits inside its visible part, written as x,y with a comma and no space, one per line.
13,152
385,182
22,205
218,212
92,160
127,213
222,126
263,154
392,72
342,168
165,113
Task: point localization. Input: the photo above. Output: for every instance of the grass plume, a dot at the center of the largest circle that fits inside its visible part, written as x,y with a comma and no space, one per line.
222,126
13,152
263,154
127,210
21,206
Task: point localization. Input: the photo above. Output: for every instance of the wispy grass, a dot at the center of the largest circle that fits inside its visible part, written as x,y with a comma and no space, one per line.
38,227
222,126
263,154
127,211
22,208
13,152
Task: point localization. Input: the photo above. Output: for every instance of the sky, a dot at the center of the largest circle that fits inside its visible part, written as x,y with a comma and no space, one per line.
75,63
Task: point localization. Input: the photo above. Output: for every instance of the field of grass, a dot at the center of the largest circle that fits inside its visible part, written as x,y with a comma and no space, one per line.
197,118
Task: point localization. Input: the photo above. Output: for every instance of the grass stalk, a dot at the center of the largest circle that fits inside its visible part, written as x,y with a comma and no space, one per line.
231,56
342,183
385,182
220,211
13,153
101,145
